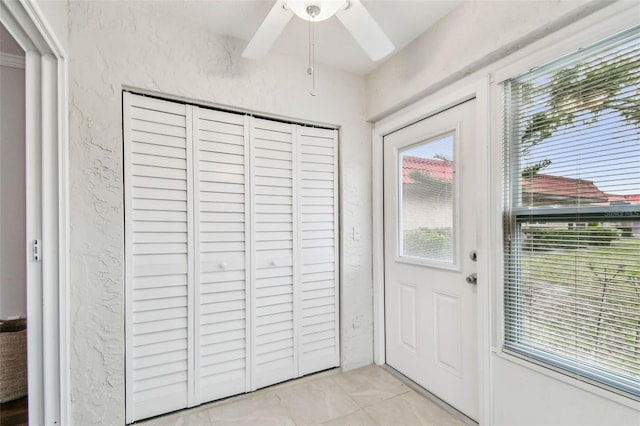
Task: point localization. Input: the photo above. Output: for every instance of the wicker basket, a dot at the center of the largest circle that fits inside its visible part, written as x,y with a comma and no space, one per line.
13,359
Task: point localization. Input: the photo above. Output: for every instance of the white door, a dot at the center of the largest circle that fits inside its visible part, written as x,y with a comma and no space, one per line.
430,231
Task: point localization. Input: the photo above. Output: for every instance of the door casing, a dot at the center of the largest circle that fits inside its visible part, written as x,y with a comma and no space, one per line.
47,211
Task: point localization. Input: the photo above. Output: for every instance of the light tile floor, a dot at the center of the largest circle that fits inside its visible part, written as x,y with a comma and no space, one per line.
368,396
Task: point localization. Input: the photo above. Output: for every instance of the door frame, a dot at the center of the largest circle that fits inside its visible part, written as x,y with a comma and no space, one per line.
464,90
46,147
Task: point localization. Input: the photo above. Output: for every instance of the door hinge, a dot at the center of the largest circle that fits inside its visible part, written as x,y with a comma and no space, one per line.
37,251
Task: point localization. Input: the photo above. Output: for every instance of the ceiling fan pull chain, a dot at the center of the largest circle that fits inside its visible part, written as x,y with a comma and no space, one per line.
313,61
312,11
309,67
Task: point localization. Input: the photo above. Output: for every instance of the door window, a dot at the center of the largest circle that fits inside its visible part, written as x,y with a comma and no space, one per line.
426,201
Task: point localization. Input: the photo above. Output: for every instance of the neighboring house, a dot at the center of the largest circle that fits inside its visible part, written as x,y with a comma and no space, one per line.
427,193
548,190
630,199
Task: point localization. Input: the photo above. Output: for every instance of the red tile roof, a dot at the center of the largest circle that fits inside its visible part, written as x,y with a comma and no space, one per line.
624,199
437,169
561,188
545,188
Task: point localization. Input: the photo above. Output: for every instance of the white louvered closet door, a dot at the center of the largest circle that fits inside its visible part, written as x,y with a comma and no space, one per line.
318,346
222,229
273,209
231,247
159,277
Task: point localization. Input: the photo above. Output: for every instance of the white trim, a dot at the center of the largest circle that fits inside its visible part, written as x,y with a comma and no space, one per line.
12,61
47,217
35,280
466,89
484,243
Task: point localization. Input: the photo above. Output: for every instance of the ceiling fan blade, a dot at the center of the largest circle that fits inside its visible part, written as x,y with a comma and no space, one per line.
365,30
268,31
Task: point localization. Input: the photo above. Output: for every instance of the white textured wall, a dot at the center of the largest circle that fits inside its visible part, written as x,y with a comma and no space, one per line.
476,34
13,285
111,45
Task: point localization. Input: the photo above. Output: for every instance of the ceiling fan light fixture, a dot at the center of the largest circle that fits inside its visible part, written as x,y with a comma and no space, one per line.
323,9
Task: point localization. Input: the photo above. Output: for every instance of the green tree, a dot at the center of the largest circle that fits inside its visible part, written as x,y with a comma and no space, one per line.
579,93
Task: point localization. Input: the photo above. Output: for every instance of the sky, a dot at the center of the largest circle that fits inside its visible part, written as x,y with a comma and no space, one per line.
442,145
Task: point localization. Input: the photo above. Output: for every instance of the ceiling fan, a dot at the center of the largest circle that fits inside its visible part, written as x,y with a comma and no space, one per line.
351,13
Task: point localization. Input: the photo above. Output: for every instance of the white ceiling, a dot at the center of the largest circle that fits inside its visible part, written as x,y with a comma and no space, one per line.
401,20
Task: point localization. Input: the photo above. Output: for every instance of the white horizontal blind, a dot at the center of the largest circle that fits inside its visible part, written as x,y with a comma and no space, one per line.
157,195
318,232
572,277
273,209
221,197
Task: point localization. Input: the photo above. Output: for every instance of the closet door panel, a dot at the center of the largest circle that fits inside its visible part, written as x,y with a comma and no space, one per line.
273,210
157,195
318,245
221,254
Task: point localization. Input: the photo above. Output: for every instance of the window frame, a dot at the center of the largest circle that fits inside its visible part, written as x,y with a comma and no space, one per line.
510,217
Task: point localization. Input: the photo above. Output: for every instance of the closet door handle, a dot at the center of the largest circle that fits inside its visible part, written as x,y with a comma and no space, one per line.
223,265
274,263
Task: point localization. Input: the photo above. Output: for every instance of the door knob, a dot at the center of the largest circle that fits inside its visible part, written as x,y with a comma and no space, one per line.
274,263
472,279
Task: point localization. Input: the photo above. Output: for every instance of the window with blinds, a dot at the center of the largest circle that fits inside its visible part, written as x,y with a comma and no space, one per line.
572,214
